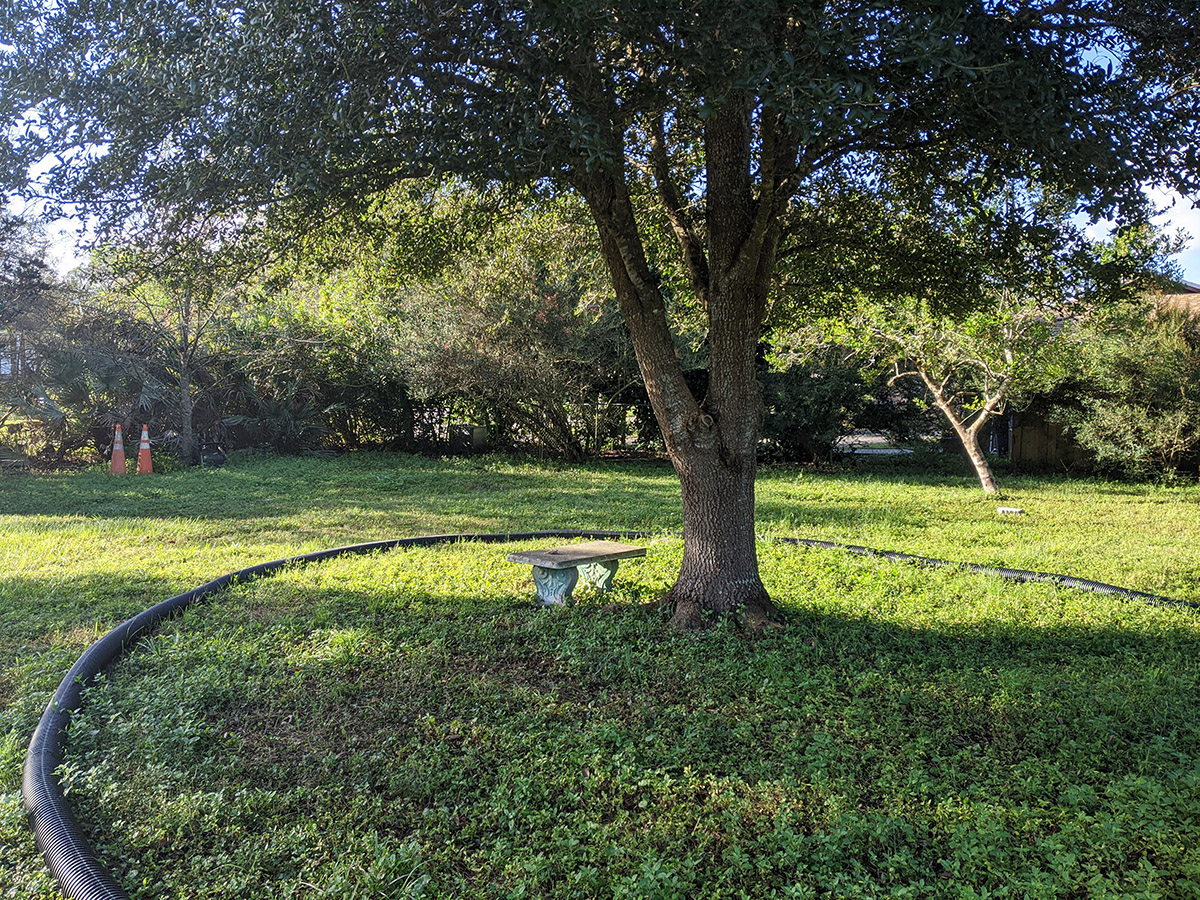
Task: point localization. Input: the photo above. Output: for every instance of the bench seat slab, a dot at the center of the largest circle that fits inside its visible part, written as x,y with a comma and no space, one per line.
574,555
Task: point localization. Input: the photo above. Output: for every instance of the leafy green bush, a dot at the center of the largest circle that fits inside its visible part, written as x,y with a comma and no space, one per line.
809,405
1137,402
534,351
817,392
398,340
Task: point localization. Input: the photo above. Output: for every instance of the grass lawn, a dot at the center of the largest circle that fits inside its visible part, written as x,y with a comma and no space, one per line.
407,724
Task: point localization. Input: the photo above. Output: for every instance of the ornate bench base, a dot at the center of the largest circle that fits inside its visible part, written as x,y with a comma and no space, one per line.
554,586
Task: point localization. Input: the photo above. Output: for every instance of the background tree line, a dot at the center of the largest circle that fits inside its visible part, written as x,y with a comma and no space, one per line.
440,304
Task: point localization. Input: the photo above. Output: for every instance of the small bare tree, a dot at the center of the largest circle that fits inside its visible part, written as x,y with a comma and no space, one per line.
973,367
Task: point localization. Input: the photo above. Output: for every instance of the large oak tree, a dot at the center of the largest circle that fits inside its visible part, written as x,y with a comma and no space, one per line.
711,117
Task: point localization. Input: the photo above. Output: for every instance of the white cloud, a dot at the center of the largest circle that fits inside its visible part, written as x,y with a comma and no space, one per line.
1181,213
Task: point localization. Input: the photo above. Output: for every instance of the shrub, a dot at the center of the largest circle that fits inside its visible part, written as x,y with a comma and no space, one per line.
816,394
1136,406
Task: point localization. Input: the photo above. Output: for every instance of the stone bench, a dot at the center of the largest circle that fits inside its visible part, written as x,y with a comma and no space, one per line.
556,571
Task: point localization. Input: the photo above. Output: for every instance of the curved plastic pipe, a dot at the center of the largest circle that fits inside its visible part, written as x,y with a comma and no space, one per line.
1070,581
68,854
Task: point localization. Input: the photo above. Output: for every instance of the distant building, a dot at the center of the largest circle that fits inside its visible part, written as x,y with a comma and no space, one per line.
1186,299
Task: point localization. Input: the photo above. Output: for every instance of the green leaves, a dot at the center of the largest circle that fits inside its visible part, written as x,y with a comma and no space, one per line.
196,102
1135,403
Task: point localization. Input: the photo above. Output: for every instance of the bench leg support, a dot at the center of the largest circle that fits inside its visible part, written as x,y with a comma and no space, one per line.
600,575
554,586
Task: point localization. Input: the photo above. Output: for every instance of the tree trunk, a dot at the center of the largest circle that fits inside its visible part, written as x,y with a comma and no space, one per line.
970,442
186,450
712,440
186,439
713,445
716,457
968,437
720,560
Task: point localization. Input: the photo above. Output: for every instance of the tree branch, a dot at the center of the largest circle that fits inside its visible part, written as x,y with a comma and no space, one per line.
690,243
750,252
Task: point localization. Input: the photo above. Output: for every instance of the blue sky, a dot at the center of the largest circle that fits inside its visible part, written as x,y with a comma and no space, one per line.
1184,214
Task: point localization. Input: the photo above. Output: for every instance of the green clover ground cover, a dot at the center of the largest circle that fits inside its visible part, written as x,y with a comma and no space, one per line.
406,724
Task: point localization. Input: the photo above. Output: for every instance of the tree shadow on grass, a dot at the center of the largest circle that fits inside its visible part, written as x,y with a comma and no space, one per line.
455,652
446,711
843,747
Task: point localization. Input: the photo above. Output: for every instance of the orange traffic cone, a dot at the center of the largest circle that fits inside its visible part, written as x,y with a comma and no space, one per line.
118,455
144,465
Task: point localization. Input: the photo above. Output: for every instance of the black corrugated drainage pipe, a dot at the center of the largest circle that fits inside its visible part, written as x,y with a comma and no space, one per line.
68,854
1069,581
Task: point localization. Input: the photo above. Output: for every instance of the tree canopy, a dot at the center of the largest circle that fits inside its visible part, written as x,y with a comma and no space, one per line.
710,119
146,100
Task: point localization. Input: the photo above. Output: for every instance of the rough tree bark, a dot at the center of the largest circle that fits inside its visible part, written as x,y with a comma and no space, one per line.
712,441
187,454
186,351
